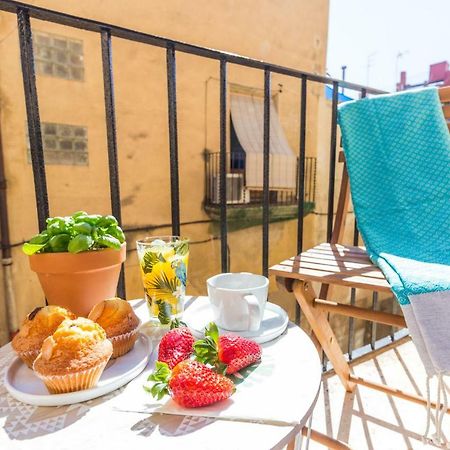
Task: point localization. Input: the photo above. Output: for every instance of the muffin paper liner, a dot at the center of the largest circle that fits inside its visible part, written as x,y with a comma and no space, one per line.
29,357
123,343
70,382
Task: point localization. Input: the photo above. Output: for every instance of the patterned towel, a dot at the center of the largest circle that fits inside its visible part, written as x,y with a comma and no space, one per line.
397,150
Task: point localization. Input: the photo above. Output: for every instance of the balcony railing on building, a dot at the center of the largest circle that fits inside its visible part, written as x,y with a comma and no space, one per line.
241,194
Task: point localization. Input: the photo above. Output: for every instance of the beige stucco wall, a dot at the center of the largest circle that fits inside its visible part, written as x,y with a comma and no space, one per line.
287,32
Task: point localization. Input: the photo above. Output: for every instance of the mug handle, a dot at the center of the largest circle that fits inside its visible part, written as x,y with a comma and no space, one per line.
254,312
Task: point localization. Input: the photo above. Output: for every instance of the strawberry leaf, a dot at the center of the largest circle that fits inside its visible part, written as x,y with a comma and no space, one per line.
213,332
176,323
160,377
162,373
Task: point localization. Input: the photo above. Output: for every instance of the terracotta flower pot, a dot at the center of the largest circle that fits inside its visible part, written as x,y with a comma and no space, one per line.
79,281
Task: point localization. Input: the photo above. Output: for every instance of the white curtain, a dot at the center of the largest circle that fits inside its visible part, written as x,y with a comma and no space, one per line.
247,113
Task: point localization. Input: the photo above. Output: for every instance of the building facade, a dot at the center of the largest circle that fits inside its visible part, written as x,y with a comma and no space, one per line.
292,33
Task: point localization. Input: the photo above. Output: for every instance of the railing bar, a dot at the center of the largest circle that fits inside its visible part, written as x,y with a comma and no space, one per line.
111,136
332,169
158,41
373,331
111,133
394,311
314,180
173,139
301,180
206,178
301,171
266,165
223,167
33,118
351,327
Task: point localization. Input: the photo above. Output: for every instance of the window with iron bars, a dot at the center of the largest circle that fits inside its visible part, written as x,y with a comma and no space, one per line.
58,56
64,144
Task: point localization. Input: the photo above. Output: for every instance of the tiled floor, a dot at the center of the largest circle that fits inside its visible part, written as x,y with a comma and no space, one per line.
369,419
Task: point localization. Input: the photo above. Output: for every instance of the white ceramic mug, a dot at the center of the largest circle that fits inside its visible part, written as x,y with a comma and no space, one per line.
238,300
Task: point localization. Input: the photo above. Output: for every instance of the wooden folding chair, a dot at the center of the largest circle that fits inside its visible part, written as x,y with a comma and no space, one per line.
341,265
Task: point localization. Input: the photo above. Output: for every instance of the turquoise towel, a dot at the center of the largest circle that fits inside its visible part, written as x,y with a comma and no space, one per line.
397,150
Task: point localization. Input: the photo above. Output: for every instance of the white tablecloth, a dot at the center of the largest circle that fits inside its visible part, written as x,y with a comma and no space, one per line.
115,421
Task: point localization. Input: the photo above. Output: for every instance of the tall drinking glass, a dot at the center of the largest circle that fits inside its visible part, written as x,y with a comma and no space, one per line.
163,262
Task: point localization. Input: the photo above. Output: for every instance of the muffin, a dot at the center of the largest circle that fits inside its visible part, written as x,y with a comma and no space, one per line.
74,357
37,326
121,324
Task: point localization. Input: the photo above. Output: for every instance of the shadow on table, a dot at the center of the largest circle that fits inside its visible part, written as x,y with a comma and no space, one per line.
170,425
25,422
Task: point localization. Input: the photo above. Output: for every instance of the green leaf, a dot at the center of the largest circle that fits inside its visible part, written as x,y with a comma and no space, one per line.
41,238
59,242
106,221
181,248
80,243
213,332
117,232
149,260
221,368
77,214
82,228
160,377
164,284
206,351
31,249
161,373
92,219
108,241
164,311
58,225
177,323
56,219
147,389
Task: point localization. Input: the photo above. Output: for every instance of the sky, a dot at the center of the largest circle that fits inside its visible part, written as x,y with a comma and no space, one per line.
376,39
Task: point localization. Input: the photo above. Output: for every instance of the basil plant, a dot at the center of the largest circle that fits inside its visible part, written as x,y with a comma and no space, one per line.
77,233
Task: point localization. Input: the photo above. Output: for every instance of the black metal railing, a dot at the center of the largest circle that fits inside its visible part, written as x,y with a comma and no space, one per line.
106,32
240,193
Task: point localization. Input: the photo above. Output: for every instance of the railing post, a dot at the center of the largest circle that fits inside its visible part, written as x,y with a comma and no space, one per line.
301,180
351,323
111,136
33,119
373,330
301,171
332,161
173,138
223,167
266,174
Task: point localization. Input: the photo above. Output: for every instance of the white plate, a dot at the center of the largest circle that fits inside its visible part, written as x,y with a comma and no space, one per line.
25,386
274,322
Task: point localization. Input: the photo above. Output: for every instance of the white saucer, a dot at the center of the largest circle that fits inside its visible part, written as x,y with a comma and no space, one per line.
274,322
25,386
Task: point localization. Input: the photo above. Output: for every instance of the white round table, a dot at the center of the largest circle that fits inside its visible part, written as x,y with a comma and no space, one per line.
98,424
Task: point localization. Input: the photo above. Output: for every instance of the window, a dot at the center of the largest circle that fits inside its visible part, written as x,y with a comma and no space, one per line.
64,144
58,56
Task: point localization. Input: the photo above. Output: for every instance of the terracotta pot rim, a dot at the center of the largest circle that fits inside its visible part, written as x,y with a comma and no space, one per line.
64,262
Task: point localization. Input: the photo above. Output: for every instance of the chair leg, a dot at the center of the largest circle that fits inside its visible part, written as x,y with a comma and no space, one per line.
305,295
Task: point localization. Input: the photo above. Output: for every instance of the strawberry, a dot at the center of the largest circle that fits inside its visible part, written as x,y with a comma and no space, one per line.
228,352
176,346
191,384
